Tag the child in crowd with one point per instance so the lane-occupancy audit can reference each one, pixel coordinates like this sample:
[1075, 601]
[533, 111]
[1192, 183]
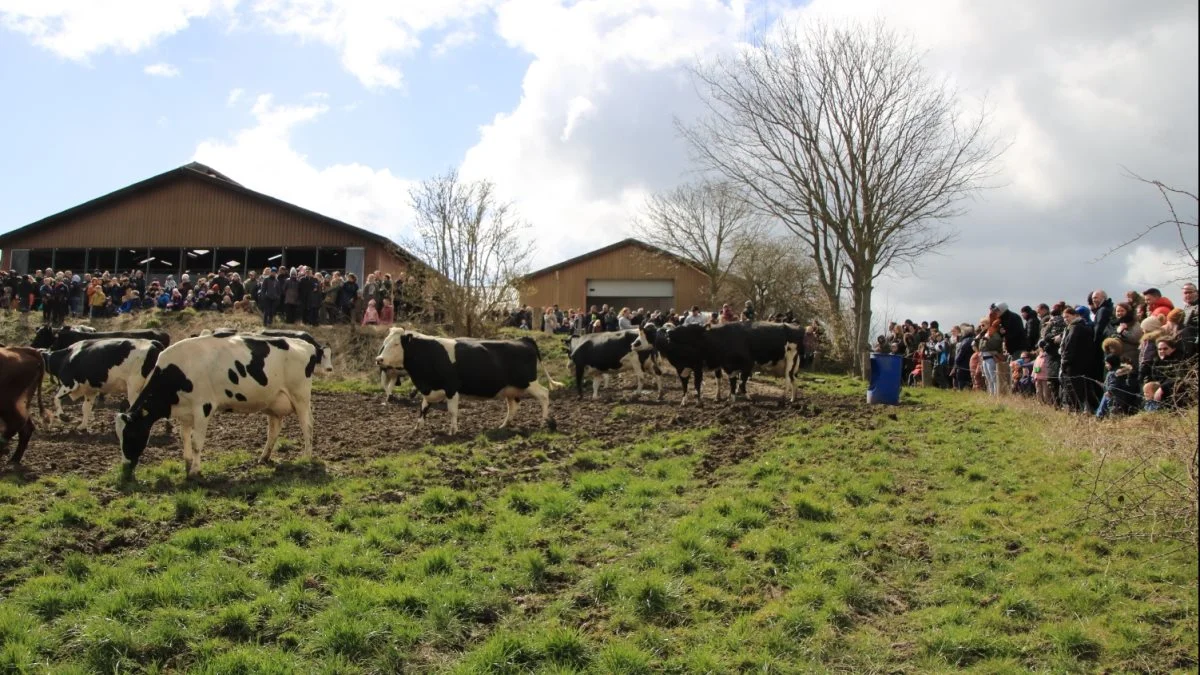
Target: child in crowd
[1023, 374]
[371, 316]
[1152, 395]
[1041, 377]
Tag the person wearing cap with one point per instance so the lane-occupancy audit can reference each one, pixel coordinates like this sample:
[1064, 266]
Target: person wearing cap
[1012, 327]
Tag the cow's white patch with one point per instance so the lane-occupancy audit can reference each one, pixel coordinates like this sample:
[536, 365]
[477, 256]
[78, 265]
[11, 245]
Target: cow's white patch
[448, 344]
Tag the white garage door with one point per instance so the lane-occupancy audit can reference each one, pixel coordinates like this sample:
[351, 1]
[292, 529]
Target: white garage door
[619, 288]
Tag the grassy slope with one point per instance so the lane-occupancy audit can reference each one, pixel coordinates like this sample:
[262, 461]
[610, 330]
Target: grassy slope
[939, 539]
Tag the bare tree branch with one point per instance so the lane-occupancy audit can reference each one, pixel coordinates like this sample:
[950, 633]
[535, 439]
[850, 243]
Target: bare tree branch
[1183, 228]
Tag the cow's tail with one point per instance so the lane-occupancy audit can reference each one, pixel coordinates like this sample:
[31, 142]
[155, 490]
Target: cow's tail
[551, 383]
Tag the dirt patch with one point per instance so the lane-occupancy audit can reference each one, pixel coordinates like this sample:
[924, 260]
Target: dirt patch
[352, 427]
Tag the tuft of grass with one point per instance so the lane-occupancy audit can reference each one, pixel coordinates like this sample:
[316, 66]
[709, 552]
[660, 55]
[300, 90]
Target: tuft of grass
[807, 509]
[188, 505]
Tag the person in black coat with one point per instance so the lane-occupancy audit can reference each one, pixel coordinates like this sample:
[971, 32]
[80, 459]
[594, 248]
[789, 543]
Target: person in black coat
[964, 350]
[1077, 354]
[1033, 326]
[1012, 328]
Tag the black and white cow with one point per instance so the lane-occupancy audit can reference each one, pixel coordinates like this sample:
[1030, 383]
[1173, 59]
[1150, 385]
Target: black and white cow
[739, 347]
[447, 369]
[200, 377]
[46, 338]
[90, 368]
[324, 353]
[607, 353]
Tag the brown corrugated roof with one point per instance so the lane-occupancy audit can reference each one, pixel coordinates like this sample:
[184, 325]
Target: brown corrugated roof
[612, 247]
[198, 171]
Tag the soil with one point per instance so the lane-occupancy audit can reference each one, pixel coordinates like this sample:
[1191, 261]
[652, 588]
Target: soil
[351, 427]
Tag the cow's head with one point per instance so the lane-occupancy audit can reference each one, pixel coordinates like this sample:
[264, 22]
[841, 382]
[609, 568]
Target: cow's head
[43, 338]
[133, 433]
[647, 332]
[391, 354]
[326, 359]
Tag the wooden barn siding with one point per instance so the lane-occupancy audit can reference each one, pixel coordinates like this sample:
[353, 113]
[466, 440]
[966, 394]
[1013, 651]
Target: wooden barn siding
[567, 287]
[188, 213]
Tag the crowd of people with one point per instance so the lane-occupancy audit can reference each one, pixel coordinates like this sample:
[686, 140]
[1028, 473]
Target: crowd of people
[287, 294]
[1101, 357]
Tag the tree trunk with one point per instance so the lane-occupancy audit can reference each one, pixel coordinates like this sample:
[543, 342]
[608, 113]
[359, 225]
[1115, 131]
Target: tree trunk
[861, 289]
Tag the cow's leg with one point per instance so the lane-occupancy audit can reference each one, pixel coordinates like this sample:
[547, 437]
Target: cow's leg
[608, 383]
[542, 395]
[274, 424]
[683, 380]
[579, 369]
[199, 434]
[698, 374]
[89, 401]
[387, 380]
[452, 406]
[596, 385]
[58, 397]
[185, 434]
[305, 417]
[637, 372]
[424, 410]
[742, 384]
[23, 436]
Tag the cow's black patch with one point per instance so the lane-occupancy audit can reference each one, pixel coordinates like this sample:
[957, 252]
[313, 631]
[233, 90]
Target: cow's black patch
[239, 396]
[228, 394]
[151, 358]
[259, 350]
[312, 363]
[233, 376]
[207, 409]
[241, 368]
[162, 391]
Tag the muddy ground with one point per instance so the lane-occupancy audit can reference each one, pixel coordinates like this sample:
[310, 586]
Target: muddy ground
[353, 426]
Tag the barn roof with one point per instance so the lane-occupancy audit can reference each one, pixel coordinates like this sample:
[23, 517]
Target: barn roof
[613, 247]
[209, 175]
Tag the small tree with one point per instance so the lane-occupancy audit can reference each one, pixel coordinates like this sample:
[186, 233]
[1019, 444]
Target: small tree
[774, 274]
[1182, 208]
[708, 224]
[472, 245]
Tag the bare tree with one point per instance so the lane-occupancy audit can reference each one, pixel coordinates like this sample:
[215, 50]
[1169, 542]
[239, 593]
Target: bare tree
[471, 242]
[707, 223]
[773, 274]
[841, 134]
[1186, 227]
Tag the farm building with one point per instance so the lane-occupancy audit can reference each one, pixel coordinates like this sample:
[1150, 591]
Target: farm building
[629, 273]
[194, 219]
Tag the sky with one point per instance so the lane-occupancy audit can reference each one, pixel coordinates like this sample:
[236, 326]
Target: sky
[569, 108]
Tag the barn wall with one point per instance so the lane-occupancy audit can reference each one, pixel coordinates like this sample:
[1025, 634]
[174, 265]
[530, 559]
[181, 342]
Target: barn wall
[567, 287]
[186, 213]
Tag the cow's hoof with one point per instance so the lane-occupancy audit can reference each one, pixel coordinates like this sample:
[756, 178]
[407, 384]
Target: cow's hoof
[551, 425]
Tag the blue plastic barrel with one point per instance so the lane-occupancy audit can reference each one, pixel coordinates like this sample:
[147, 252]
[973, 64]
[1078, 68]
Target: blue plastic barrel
[885, 379]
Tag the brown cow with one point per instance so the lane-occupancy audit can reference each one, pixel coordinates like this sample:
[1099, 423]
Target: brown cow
[21, 372]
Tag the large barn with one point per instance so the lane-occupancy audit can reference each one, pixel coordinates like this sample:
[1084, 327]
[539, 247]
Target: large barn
[629, 273]
[194, 219]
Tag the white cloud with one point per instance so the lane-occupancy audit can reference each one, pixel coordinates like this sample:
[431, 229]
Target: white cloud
[453, 40]
[76, 30]
[368, 35]
[592, 133]
[1151, 266]
[161, 70]
[235, 95]
[263, 158]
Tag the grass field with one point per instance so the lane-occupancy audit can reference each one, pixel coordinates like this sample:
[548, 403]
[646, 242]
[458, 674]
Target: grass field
[930, 537]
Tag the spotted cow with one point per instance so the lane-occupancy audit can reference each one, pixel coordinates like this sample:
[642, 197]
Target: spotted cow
[607, 353]
[200, 377]
[447, 369]
[107, 366]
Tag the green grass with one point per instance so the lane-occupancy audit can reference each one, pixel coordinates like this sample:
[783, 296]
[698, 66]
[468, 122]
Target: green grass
[944, 538]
